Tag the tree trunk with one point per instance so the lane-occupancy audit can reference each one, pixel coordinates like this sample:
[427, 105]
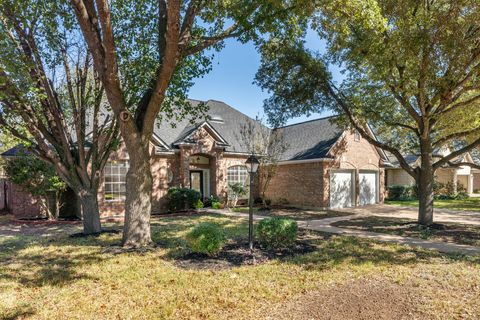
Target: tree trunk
[90, 212]
[138, 202]
[425, 180]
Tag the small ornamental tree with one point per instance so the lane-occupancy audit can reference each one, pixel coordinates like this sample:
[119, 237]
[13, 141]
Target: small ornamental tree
[39, 179]
[268, 145]
[236, 190]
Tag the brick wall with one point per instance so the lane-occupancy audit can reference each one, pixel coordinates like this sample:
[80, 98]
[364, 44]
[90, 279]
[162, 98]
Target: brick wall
[22, 204]
[178, 165]
[308, 184]
[301, 184]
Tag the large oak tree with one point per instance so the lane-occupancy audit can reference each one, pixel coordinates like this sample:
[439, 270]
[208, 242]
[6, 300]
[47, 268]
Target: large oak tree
[146, 53]
[51, 98]
[412, 72]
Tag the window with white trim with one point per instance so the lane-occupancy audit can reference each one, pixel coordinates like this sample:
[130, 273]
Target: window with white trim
[115, 174]
[238, 174]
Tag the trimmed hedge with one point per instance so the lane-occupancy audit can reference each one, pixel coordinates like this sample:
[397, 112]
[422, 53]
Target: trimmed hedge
[442, 191]
[182, 199]
[207, 238]
[277, 233]
[402, 192]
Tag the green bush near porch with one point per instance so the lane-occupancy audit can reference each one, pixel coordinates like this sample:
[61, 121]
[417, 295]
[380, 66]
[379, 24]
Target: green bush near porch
[182, 199]
[207, 238]
[277, 233]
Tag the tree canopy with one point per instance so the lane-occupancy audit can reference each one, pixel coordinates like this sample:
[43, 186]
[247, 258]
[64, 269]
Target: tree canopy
[412, 72]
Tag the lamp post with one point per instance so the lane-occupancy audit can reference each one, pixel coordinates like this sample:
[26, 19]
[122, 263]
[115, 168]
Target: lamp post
[252, 164]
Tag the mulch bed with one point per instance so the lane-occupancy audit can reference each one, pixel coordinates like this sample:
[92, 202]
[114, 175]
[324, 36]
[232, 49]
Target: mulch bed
[236, 253]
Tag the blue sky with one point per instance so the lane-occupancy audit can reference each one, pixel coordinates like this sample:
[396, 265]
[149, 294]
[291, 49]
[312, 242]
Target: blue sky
[232, 75]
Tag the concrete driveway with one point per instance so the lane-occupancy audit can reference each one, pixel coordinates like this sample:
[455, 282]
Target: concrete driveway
[394, 211]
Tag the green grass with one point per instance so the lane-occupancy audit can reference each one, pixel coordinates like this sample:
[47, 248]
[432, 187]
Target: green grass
[293, 213]
[91, 278]
[446, 232]
[470, 204]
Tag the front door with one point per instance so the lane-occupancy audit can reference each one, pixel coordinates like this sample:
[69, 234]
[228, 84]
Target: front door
[196, 181]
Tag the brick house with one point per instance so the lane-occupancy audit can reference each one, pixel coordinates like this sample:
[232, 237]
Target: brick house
[324, 166]
[465, 176]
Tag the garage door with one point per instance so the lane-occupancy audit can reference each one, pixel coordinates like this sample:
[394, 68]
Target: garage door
[368, 188]
[341, 194]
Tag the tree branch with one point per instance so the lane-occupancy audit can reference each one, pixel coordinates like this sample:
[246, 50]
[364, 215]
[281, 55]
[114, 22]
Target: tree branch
[455, 154]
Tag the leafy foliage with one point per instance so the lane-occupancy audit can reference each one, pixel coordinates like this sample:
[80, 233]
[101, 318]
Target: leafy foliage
[207, 238]
[236, 191]
[216, 205]
[38, 178]
[277, 233]
[412, 72]
[401, 192]
[182, 199]
[34, 175]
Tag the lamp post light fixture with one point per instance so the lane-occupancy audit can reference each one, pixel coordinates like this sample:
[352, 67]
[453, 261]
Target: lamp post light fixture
[252, 164]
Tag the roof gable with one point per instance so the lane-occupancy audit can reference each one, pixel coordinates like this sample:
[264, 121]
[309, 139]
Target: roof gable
[190, 135]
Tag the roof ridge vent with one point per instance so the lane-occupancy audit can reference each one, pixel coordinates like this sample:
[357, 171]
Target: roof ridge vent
[216, 119]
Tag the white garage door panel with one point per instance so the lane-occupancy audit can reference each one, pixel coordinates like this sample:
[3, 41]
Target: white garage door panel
[340, 189]
[368, 188]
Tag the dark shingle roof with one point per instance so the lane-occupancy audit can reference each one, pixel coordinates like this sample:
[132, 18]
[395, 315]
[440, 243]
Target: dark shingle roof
[229, 128]
[410, 158]
[307, 140]
[311, 139]
[18, 150]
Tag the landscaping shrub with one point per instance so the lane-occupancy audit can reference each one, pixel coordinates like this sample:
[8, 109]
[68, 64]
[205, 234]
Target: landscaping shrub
[462, 195]
[216, 205]
[207, 238]
[182, 199]
[276, 233]
[207, 202]
[199, 204]
[401, 192]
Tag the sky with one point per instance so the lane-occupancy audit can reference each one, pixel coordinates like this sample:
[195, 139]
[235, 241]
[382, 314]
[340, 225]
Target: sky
[232, 75]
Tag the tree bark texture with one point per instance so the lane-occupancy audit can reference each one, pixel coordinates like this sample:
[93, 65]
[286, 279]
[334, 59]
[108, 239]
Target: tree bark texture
[138, 202]
[90, 212]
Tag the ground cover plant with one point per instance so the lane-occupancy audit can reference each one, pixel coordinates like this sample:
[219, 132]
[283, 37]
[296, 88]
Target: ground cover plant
[57, 276]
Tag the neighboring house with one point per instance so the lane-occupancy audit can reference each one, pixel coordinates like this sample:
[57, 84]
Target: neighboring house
[324, 166]
[467, 177]
[13, 198]
[24, 205]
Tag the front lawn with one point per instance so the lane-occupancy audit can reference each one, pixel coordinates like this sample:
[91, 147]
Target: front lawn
[60, 277]
[470, 204]
[447, 232]
[294, 213]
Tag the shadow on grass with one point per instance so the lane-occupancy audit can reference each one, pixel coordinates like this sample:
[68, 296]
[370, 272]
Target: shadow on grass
[20, 312]
[56, 261]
